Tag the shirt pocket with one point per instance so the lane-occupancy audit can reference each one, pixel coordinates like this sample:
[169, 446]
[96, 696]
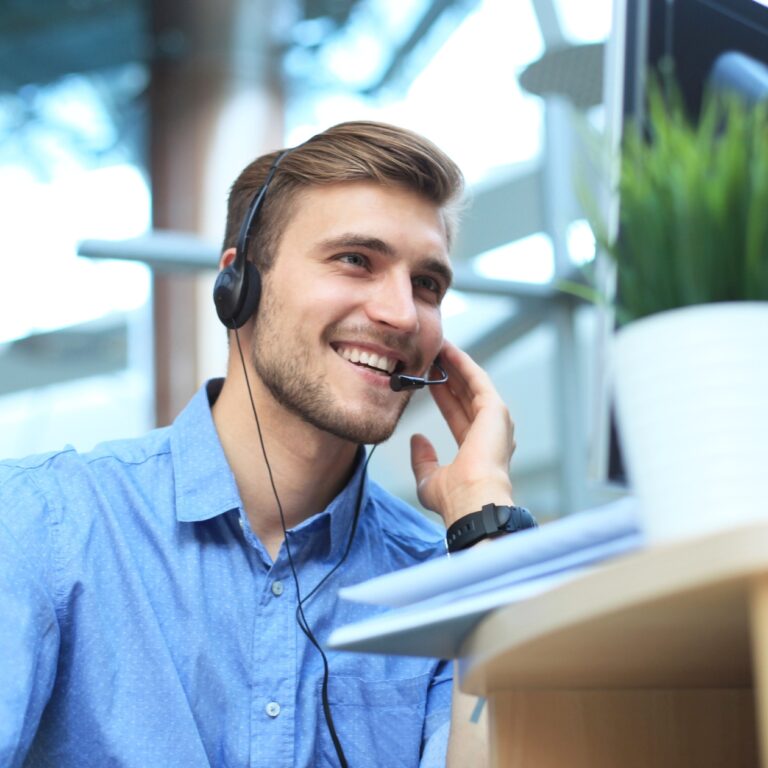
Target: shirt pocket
[379, 723]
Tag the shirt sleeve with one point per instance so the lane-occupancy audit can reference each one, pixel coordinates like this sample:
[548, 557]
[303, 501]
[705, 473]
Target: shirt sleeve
[437, 722]
[29, 634]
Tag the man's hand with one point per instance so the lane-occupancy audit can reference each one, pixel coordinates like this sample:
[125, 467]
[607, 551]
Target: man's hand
[479, 474]
[481, 424]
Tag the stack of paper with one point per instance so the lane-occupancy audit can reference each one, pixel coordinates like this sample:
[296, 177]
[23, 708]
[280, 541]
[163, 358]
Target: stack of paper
[436, 604]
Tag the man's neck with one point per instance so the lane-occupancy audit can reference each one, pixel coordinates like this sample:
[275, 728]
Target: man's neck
[309, 466]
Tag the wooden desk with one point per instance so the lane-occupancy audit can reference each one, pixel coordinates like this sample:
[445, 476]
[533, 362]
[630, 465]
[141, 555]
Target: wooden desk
[657, 660]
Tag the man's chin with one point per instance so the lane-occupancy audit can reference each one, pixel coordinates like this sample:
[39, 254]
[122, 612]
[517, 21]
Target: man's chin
[369, 426]
[366, 433]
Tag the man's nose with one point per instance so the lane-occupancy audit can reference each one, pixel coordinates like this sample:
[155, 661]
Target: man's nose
[392, 303]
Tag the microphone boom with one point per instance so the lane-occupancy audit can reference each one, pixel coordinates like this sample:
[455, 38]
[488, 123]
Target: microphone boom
[400, 381]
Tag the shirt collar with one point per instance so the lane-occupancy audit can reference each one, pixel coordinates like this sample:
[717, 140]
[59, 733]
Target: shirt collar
[205, 485]
[338, 517]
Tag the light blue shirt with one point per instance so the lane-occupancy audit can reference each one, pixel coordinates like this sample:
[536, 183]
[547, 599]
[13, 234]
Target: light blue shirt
[143, 624]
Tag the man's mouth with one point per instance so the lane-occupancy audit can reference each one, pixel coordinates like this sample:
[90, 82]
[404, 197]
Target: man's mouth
[367, 359]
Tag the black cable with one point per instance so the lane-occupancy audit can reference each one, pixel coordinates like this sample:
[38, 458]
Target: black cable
[301, 618]
[358, 505]
[304, 624]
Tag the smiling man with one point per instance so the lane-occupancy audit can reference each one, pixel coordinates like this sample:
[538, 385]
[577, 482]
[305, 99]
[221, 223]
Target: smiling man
[165, 601]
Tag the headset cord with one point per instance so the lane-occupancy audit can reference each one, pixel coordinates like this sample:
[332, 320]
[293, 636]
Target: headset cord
[300, 616]
[304, 624]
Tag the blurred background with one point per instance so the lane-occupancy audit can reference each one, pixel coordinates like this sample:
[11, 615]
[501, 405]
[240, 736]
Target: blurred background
[124, 122]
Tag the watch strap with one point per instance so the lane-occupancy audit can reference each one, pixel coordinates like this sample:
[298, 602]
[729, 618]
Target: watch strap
[491, 521]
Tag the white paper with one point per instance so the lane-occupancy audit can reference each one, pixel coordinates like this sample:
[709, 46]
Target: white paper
[438, 603]
[439, 631]
[565, 543]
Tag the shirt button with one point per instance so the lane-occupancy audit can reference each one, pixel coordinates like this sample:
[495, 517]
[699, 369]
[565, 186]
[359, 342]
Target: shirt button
[277, 588]
[273, 709]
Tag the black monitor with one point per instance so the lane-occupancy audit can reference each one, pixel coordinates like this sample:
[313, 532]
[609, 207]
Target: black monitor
[695, 36]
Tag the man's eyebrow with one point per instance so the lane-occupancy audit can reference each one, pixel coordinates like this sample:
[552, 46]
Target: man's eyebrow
[353, 240]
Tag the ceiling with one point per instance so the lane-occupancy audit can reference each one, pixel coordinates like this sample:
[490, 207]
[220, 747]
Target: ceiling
[46, 39]
[43, 40]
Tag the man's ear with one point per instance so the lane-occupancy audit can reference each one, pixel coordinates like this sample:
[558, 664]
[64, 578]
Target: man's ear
[227, 258]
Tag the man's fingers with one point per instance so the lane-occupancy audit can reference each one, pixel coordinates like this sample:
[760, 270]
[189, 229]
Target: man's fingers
[423, 457]
[466, 378]
[453, 411]
[424, 463]
[457, 382]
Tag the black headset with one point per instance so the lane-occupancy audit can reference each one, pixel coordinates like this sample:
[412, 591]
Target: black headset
[237, 290]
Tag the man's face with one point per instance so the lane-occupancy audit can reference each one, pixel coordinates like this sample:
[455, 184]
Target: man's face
[354, 293]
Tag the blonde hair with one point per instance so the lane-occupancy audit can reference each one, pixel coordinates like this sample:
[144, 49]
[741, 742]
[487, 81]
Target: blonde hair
[353, 151]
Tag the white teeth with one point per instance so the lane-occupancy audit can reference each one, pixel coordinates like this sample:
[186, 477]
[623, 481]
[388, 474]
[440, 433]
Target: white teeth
[371, 359]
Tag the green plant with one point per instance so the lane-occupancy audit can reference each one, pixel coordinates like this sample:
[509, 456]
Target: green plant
[693, 224]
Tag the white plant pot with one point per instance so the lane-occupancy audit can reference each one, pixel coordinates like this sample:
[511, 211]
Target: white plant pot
[691, 388]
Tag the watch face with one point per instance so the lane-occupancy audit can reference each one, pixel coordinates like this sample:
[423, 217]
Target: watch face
[520, 519]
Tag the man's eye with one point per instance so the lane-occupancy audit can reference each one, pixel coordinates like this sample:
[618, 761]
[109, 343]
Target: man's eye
[428, 283]
[355, 259]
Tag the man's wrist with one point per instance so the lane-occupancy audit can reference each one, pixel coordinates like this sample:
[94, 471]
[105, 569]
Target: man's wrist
[469, 498]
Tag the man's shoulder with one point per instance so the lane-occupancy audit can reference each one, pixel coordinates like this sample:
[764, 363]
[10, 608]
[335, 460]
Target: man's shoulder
[51, 501]
[28, 473]
[67, 468]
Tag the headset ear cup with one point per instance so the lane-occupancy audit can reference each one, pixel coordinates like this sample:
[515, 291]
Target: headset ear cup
[251, 296]
[237, 294]
[226, 294]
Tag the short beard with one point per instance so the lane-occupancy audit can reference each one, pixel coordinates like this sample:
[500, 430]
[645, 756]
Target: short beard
[290, 383]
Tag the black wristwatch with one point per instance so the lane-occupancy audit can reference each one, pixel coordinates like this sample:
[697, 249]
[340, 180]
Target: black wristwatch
[491, 521]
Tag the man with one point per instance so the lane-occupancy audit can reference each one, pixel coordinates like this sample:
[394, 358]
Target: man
[154, 611]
